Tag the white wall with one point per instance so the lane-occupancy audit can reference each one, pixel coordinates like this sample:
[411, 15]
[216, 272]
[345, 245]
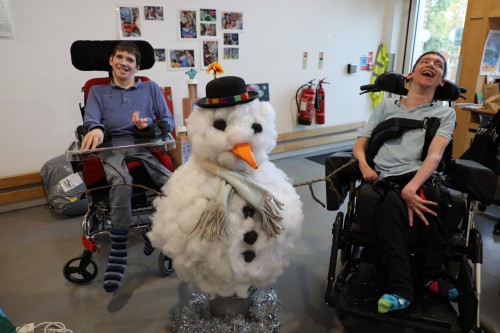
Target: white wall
[40, 89]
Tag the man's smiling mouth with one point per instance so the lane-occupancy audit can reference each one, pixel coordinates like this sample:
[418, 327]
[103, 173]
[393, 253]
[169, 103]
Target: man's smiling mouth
[428, 73]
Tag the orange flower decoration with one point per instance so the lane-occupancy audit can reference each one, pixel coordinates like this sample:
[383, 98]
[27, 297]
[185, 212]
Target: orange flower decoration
[216, 68]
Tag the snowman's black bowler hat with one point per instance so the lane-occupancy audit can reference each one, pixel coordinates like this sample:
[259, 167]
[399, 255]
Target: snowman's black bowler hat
[226, 91]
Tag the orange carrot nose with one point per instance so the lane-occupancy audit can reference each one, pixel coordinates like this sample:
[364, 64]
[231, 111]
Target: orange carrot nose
[244, 152]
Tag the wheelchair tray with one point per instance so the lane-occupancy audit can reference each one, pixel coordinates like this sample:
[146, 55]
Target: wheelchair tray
[73, 152]
[358, 294]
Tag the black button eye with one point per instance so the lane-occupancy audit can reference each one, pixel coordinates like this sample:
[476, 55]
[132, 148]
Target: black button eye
[220, 124]
[257, 128]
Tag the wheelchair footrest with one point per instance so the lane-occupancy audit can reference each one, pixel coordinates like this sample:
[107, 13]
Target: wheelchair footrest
[359, 294]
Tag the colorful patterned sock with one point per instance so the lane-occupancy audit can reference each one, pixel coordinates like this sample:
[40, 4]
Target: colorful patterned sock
[117, 261]
[443, 288]
[148, 247]
[392, 302]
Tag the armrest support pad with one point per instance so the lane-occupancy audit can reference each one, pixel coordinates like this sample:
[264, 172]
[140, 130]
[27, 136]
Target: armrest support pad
[478, 181]
[341, 180]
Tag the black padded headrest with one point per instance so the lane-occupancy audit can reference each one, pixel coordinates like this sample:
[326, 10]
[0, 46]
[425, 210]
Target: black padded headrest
[93, 55]
[395, 83]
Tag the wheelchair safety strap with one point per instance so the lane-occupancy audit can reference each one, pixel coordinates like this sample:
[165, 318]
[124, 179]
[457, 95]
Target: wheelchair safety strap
[394, 128]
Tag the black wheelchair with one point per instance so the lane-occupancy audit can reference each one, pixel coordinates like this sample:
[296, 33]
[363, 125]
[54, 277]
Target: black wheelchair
[353, 292]
[89, 55]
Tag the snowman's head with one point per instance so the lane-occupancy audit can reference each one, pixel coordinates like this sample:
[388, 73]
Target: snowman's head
[222, 135]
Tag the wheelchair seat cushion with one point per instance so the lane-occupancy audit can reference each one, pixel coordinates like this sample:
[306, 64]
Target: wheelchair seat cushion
[94, 175]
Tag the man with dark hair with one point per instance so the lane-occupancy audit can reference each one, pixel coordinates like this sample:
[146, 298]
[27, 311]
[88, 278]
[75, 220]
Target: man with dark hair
[402, 218]
[116, 108]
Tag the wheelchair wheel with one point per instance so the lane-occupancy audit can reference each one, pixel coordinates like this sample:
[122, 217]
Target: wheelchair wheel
[165, 265]
[336, 232]
[486, 327]
[346, 321]
[81, 270]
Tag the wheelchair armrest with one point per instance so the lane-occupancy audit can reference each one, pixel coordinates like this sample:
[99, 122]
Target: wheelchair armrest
[341, 180]
[478, 181]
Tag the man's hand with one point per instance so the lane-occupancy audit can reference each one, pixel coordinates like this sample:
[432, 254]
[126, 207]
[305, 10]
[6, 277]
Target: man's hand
[415, 204]
[140, 123]
[92, 139]
[369, 174]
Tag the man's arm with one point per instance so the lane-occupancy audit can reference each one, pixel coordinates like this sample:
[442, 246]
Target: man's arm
[92, 121]
[359, 152]
[414, 203]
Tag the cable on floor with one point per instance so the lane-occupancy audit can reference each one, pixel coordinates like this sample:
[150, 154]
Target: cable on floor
[48, 327]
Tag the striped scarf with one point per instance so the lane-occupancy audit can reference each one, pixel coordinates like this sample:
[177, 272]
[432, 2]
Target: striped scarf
[212, 222]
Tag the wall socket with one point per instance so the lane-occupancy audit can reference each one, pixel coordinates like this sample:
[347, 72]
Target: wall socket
[352, 68]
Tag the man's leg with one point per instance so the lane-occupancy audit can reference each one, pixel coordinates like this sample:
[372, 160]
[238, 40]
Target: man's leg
[121, 218]
[160, 175]
[385, 215]
[435, 246]
[392, 221]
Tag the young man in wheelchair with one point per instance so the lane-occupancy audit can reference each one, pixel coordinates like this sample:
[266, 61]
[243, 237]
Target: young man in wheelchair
[124, 109]
[397, 202]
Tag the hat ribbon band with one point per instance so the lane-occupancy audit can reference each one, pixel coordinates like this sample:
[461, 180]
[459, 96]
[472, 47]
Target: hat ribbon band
[229, 99]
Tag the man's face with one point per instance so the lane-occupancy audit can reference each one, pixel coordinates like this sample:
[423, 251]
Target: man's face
[429, 70]
[124, 65]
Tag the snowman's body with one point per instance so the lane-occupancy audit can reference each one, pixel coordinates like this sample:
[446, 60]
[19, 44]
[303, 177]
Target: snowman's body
[244, 255]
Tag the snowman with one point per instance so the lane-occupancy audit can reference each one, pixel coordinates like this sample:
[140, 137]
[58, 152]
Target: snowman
[229, 216]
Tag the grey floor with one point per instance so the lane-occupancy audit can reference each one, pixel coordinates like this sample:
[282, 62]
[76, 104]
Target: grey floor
[35, 245]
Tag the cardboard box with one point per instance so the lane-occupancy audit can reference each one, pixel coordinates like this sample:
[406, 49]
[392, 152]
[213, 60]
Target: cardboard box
[187, 107]
[182, 149]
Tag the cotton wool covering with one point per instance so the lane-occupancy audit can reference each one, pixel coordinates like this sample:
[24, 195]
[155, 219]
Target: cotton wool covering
[229, 265]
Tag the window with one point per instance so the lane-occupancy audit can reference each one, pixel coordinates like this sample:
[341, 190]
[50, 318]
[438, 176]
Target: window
[439, 26]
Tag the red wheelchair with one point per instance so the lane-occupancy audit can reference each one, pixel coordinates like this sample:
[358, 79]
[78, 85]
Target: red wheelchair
[93, 56]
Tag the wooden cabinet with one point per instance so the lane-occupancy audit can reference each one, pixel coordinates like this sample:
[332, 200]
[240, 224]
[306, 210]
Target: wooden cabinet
[481, 17]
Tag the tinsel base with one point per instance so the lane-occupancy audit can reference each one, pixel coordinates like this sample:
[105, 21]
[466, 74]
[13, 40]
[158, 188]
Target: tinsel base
[262, 316]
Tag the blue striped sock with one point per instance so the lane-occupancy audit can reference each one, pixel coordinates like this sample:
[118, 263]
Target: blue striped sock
[148, 247]
[117, 261]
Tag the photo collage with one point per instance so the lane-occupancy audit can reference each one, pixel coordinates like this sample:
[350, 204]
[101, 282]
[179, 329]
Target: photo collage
[216, 33]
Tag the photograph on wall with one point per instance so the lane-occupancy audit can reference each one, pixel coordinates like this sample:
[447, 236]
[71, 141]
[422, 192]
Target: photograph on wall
[180, 59]
[208, 29]
[6, 27]
[187, 24]
[160, 55]
[231, 53]
[208, 15]
[231, 38]
[491, 53]
[262, 89]
[153, 13]
[231, 21]
[130, 22]
[210, 52]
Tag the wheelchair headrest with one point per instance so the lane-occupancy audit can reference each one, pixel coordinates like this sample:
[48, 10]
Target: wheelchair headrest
[396, 83]
[93, 55]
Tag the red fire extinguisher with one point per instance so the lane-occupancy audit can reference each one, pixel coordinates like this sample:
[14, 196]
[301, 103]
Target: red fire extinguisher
[306, 106]
[319, 103]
